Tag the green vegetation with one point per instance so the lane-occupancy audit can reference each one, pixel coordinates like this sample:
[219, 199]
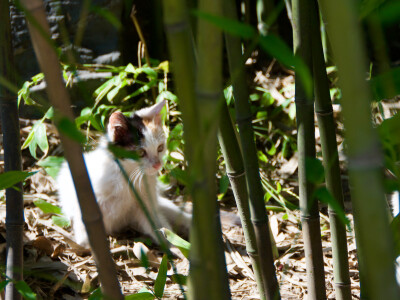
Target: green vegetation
[274, 129]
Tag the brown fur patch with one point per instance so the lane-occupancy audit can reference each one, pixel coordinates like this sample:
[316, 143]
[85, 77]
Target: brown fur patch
[152, 124]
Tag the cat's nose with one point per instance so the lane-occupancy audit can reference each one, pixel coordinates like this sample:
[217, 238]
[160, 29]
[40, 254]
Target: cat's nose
[157, 165]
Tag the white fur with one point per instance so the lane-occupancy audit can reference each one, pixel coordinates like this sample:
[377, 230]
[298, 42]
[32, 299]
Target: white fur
[119, 207]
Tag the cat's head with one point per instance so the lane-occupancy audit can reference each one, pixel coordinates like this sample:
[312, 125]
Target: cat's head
[143, 132]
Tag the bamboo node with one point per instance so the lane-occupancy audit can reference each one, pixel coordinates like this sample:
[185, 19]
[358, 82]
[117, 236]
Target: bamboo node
[323, 113]
[342, 285]
[370, 158]
[235, 175]
[209, 95]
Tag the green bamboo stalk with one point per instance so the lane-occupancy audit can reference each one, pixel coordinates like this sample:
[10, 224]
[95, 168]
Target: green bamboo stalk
[180, 45]
[376, 255]
[206, 229]
[306, 147]
[12, 157]
[199, 106]
[323, 109]
[235, 170]
[243, 118]
[58, 96]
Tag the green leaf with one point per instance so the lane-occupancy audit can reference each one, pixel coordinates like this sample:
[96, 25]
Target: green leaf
[149, 72]
[144, 260]
[69, 129]
[389, 13]
[46, 207]
[223, 184]
[130, 68]
[168, 96]
[178, 242]
[267, 99]
[379, 84]
[272, 150]
[140, 296]
[120, 152]
[106, 14]
[142, 89]
[278, 49]
[52, 165]
[24, 289]
[261, 156]
[96, 295]
[164, 178]
[179, 279]
[41, 138]
[10, 178]
[231, 26]
[159, 284]
[325, 196]
[61, 221]
[314, 170]
[3, 284]
[180, 175]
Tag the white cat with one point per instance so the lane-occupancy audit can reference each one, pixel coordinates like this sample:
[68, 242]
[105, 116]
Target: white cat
[143, 133]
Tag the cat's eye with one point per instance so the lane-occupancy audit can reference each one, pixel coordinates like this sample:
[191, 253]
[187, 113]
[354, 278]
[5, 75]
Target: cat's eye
[160, 148]
[141, 152]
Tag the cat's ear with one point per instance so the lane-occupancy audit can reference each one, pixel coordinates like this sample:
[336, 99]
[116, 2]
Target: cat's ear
[152, 112]
[117, 127]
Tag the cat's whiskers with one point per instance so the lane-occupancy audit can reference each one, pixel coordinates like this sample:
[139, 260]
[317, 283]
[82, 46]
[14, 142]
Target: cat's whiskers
[134, 175]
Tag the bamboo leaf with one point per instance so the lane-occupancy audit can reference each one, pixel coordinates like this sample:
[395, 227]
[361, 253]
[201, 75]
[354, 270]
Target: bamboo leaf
[96, 295]
[325, 196]
[181, 175]
[178, 242]
[108, 15]
[3, 284]
[8, 179]
[41, 138]
[179, 279]
[52, 165]
[378, 84]
[24, 289]
[161, 279]
[140, 296]
[120, 152]
[69, 129]
[223, 184]
[61, 221]
[231, 26]
[315, 170]
[46, 207]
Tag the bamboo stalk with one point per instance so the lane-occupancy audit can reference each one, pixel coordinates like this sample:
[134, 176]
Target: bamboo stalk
[376, 255]
[12, 158]
[59, 98]
[207, 280]
[306, 148]
[243, 118]
[365, 158]
[180, 44]
[323, 108]
[235, 170]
